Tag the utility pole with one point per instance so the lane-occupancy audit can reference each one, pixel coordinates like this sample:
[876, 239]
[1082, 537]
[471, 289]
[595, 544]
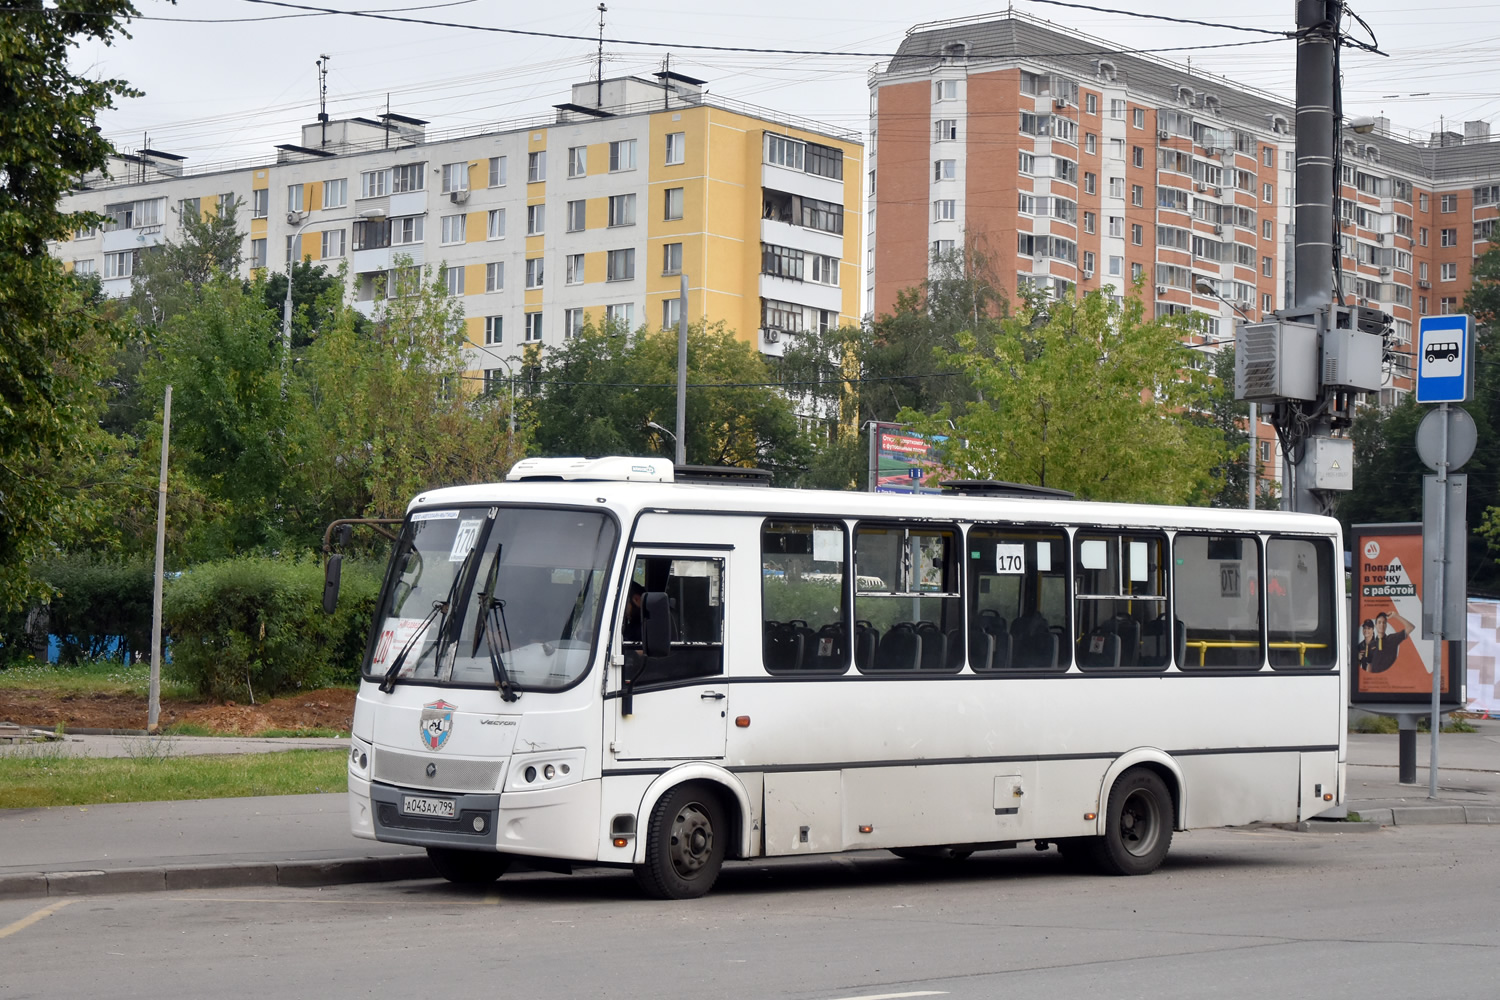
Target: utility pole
[153, 700]
[682, 332]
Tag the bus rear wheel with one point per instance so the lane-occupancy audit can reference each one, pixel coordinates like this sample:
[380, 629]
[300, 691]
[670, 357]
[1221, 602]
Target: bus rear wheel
[468, 867]
[1137, 825]
[685, 844]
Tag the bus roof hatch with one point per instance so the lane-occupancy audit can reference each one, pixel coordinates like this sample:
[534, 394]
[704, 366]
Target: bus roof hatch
[615, 468]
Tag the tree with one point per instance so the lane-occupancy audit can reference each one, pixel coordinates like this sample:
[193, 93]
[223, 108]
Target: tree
[1086, 395]
[598, 392]
[49, 325]
[173, 273]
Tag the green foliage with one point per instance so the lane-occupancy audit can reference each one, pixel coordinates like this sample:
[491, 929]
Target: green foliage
[1083, 395]
[255, 627]
[99, 602]
[601, 389]
[314, 289]
[170, 275]
[50, 321]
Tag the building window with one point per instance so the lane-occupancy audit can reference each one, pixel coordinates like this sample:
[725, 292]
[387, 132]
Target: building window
[784, 262]
[578, 161]
[535, 269]
[1090, 220]
[84, 267]
[494, 276]
[536, 220]
[822, 215]
[1447, 305]
[1028, 163]
[333, 244]
[1091, 104]
[676, 148]
[454, 278]
[1267, 192]
[374, 183]
[1090, 183]
[671, 313]
[1268, 266]
[673, 204]
[455, 177]
[784, 152]
[294, 198]
[947, 90]
[260, 203]
[409, 177]
[536, 166]
[122, 264]
[533, 327]
[574, 262]
[1116, 226]
[947, 129]
[1117, 187]
[1449, 272]
[671, 258]
[496, 229]
[1268, 156]
[1422, 236]
[944, 170]
[1088, 263]
[454, 228]
[1137, 156]
[1117, 109]
[1449, 238]
[825, 269]
[825, 161]
[1137, 234]
[336, 192]
[1267, 229]
[620, 317]
[945, 209]
[1138, 117]
[572, 323]
[407, 229]
[622, 210]
[619, 265]
[1116, 265]
[257, 255]
[1090, 143]
[622, 155]
[1137, 195]
[497, 171]
[941, 248]
[190, 208]
[1448, 203]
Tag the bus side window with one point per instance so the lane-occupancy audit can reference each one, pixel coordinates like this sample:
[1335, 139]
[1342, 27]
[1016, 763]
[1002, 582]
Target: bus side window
[1018, 598]
[804, 619]
[1121, 600]
[1299, 602]
[906, 598]
[1216, 600]
[695, 593]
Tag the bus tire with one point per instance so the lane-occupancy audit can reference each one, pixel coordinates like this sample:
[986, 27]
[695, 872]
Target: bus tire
[468, 867]
[1137, 825]
[685, 843]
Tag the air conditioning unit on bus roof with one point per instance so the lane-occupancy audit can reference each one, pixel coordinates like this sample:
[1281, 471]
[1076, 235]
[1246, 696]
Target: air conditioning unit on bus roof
[616, 468]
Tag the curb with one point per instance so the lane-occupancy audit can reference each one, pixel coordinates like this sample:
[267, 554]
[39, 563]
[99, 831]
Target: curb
[1429, 815]
[303, 874]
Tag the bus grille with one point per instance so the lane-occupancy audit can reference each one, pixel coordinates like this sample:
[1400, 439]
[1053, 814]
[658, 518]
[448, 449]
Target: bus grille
[410, 771]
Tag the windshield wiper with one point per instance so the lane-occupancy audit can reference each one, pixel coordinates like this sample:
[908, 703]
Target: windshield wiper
[489, 609]
[388, 682]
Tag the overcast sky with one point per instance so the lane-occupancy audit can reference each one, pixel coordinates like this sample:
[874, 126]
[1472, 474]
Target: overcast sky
[232, 88]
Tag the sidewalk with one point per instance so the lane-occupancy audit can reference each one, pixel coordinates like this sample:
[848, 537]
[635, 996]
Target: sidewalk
[304, 839]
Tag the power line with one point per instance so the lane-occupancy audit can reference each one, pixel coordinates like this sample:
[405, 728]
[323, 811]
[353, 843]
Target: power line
[1164, 17]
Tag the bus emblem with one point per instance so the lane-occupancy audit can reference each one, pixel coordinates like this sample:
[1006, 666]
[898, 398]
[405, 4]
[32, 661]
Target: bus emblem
[437, 724]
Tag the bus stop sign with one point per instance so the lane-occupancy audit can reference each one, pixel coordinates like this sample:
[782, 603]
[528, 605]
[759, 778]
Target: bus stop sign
[1445, 363]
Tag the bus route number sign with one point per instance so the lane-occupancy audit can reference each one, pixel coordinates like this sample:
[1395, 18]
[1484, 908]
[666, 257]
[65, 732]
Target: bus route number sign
[1010, 559]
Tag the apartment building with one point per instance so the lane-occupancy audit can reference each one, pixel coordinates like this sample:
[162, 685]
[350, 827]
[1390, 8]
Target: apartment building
[1070, 168]
[591, 212]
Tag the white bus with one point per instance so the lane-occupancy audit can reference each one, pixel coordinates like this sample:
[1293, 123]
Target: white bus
[597, 662]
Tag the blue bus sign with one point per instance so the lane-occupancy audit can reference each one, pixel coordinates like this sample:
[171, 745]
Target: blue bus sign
[1445, 363]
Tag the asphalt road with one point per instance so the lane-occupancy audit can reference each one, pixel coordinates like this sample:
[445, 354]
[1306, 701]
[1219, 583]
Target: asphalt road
[1245, 913]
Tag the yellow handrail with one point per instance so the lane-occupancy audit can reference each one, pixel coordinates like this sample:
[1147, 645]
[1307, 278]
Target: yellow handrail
[1204, 645]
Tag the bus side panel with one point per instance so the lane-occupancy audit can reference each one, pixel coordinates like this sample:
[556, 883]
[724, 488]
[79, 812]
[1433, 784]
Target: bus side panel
[1074, 788]
[1320, 777]
[804, 812]
[929, 805]
[1236, 789]
[620, 795]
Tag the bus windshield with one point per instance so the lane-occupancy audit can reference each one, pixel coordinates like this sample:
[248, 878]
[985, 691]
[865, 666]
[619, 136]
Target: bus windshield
[480, 593]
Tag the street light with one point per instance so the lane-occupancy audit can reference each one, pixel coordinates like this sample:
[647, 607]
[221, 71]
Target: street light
[369, 214]
[1205, 288]
[662, 430]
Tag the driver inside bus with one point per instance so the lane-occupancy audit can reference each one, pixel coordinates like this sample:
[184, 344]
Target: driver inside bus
[630, 630]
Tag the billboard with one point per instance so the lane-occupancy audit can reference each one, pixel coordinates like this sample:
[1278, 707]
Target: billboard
[900, 459]
[1393, 654]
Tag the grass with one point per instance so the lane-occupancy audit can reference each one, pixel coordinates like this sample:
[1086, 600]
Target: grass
[1387, 724]
[42, 776]
[94, 677]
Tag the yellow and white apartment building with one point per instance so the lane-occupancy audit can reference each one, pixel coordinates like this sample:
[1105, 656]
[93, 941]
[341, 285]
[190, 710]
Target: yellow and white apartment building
[592, 213]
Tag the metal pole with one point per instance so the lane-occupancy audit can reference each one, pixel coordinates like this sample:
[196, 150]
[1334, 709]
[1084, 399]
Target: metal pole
[1254, 456]
[682, 330]
[1438, 618]
[286, 310]
[153, 701]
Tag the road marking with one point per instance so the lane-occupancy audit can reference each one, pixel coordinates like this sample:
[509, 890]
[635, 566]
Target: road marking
[42, 914]
[898, 996]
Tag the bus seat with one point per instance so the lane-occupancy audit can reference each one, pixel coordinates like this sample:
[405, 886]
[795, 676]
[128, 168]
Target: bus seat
[830, 648]
[1179, 641]
[934, 645]
[899, 649]
[695, 615]
[981, 648]
[1033, 643]
[1129, 631]
[991, 621]
[866, 638]
[783, 646]
[955, 648]
[1001, 659]
[1100, 648]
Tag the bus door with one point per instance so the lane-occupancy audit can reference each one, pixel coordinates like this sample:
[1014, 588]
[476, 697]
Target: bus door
[678, 704]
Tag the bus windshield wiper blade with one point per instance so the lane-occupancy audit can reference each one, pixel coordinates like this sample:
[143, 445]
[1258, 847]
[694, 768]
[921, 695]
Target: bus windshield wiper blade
[496, 609]
[388, 682]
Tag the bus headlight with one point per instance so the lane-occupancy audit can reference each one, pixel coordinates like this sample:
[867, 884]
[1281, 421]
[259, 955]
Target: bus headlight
[359, 758]
[549, 769]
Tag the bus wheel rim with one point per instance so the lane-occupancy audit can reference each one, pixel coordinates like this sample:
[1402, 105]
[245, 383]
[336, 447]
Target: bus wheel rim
[1140, 823]
[692, 840]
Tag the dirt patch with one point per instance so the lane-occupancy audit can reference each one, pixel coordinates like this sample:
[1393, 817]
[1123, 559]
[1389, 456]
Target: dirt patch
[331, 708]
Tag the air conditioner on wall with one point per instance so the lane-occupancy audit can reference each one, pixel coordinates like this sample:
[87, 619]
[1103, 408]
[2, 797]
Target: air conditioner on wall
[458, 197]
[773, 335]
[1200, 188]
[1163, 134]
[1161, 289]
[1060, 103]
[1424, 284]
[1385, 270]
[1218, 230]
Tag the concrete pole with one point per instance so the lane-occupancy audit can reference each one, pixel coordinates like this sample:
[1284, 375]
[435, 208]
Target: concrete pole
[682, 331]
[286, 309]
[153, 701]
[1254, 456]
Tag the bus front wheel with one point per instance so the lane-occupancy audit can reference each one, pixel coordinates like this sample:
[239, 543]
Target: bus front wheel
[685, 844]
[1137, 826]
[468, 867]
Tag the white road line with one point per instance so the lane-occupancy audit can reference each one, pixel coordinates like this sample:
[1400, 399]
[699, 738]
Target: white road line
[42, 914]
[898, 996]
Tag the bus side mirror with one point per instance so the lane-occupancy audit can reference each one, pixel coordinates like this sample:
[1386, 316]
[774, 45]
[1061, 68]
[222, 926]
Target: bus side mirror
[342, 535]
[331, 583]
[656, 624]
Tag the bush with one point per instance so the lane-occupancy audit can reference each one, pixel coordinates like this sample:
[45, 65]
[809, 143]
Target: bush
[254, 626]
[102, 607]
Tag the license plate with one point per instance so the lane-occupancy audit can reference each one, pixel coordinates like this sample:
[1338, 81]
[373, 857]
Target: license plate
[421, 805]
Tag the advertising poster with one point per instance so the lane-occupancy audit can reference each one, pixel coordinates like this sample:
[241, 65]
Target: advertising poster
[1482, 695]
[1393, 656]
[900, 459]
